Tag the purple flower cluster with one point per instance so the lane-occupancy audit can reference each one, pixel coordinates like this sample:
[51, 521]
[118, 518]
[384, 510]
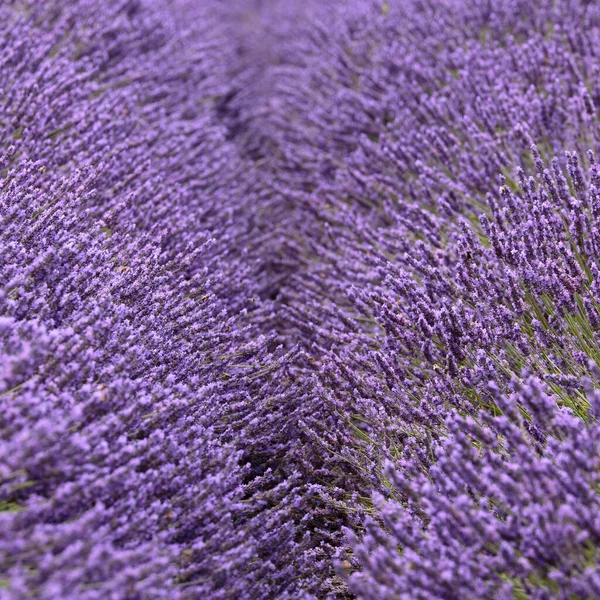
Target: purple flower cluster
[120, 364]
[508, 510]
[299, 301]
[439, 162]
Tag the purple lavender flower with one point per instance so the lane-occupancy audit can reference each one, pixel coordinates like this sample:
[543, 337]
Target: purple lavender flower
[299, 301]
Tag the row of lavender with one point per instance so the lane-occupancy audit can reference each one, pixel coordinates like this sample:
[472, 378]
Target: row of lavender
[299, 301]
[440, 158]
[124, 218]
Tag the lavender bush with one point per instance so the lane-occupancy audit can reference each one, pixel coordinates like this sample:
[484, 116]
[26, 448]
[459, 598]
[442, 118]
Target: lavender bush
[299, 301]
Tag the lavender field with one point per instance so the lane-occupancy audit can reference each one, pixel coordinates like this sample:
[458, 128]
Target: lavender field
[299, 299]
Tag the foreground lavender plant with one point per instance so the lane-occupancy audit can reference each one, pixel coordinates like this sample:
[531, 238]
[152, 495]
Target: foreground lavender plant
[508, 510]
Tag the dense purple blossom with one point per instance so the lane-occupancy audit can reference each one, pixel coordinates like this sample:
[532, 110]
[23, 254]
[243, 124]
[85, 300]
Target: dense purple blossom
[119, 363]
[510, 508]
[428, 262]
[299, 300]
